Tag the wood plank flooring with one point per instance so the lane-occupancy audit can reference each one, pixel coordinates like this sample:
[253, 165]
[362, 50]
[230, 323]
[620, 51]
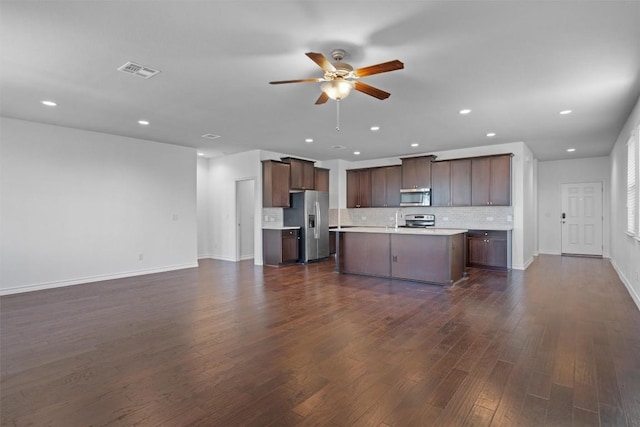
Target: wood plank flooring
[231, 344]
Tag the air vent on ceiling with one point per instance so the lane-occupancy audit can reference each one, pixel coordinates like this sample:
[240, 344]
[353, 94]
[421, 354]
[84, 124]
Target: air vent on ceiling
[138, 70]
[210, 136]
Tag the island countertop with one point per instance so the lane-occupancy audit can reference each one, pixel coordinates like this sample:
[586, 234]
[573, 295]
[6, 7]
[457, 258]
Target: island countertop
[402, 230]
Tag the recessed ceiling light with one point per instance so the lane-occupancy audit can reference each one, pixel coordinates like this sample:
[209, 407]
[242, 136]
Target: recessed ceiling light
[210, 136]
[490, 134]
[465, 111]
[357, 153]
[571, 150]
[563, 112]
[308, 140]
[200, 154]
[143, 122]
[415, 144]
[375, 128]
[49, 103]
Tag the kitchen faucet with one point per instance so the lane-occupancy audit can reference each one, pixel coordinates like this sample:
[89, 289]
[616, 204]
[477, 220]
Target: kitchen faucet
[398, 215]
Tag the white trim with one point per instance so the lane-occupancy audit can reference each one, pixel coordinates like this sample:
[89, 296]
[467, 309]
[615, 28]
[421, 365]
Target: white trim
[634, 296]
[523, 266]
[246, 257]
[222, 258]
[549, 252]
[90, 279]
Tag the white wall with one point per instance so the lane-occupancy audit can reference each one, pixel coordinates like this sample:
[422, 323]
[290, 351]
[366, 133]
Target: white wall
[222, 176]
[625, 250]
[202, 174]
[81, 206]
[551, 175]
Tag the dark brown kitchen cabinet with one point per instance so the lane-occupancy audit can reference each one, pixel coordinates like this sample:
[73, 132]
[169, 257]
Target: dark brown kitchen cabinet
[321, 179]
[491, 180]
[302, 173]
[385, 186]
[488, 249]
[416, 172]
[275, 184]
[451, 183]
[365, 253]
[432, 259]
[359, 188]
[280, 246]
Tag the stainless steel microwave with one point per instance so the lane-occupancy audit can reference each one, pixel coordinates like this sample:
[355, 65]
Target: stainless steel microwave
[415, 197]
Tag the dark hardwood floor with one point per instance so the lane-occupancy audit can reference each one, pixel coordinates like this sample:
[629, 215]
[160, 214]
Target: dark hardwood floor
[230, 344]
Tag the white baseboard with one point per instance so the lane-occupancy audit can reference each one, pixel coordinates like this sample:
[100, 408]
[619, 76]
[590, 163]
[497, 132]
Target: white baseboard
[83, 280]
[246, 257]
[554, 252]
[627, 283]
[218, 257]
[524, 266]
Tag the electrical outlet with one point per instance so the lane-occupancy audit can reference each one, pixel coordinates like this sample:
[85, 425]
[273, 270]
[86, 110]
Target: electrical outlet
[509, 218]
[174, 217]
[489, 218]
[445, 218]
[363, 218]
[266, 218]
[140, 256]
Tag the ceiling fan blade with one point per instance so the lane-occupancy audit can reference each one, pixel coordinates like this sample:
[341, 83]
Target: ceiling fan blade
[322, 61]
[297, 81]
[322, 98]
[370, 90]
[379, 68]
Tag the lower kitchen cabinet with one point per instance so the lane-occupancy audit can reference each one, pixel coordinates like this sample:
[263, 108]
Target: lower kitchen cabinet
[365, 253]
[490, 249]
[280, 246]
[437, 259]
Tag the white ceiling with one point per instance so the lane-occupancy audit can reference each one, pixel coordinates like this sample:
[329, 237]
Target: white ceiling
[516, 64]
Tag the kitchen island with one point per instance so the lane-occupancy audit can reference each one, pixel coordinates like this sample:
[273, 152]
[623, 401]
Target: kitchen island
[430, 255]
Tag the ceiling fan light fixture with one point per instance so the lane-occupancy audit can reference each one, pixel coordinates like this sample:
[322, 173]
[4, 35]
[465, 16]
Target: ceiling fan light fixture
[337, 89]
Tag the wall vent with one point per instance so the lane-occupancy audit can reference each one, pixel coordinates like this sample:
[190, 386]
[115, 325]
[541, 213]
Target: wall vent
[138, 70]
[210, 136]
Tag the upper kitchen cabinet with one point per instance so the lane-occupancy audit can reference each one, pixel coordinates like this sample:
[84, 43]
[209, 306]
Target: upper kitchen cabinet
[491, 180]
[359, 188]
[302, 173]
[321, 179]
[451, 183]
[416, 172]
[385, 186]
[275, 184]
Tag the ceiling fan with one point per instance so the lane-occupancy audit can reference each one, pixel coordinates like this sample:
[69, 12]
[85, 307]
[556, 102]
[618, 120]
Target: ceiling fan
[340, 78]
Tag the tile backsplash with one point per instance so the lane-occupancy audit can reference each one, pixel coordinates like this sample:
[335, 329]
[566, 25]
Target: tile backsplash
[455, 217]
[272, 217]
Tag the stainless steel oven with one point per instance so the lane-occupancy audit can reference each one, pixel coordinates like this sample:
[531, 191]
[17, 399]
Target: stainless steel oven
[415, 197]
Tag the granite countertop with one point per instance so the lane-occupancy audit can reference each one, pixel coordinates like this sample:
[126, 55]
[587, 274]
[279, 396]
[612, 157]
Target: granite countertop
[280, 227]
[402, 230]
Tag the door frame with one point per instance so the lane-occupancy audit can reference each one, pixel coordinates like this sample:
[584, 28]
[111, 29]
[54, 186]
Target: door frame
[238, 218]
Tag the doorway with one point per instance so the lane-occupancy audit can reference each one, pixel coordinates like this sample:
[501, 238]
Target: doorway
[245, 217]
[581, 219]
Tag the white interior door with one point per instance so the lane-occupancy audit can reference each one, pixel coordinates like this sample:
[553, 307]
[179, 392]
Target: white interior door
[245, 203]
[582, 218]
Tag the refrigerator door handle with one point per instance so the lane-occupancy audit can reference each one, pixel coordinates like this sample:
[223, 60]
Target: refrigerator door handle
[316, 231]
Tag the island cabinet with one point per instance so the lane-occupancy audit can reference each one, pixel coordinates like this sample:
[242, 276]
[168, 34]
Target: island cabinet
[451, 183]
[385, 186]
[416, 172]
[489, 249]
[275, 184]
[321, 179]
[280, 246]
[424, 257]
[491, 180]
[302, 173]
[365, 253]
[432, 259]
[359, 188]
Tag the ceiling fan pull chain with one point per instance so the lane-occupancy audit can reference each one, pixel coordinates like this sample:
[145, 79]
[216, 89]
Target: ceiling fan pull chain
[338, 115]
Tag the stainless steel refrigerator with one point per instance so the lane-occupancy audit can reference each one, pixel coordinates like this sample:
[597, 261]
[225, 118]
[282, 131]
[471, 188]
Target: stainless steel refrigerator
[310, 211]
